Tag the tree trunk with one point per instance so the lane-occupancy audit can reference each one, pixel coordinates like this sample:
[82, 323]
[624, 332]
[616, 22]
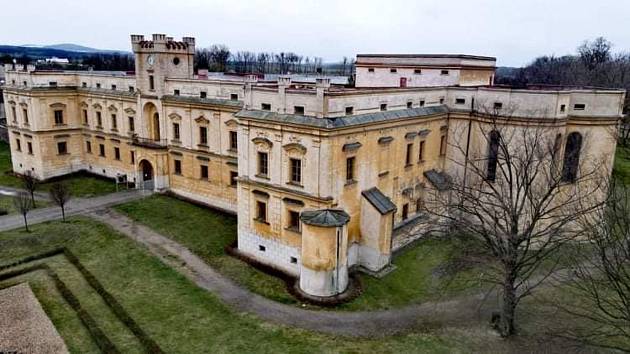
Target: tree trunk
[508, 309]
[25, 223]
[63, 213]
[33, 199]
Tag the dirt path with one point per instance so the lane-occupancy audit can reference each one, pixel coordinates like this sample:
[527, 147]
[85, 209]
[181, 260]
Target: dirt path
[373, 323]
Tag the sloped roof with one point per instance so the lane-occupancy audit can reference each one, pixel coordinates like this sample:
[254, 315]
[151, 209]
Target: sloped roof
[325, 217]
[440, 180]
[379, 200]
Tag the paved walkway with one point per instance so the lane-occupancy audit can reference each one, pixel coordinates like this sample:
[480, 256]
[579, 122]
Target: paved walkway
[75, 206]
[373, 323]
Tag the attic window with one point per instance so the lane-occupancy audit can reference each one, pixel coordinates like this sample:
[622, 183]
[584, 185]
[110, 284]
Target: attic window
[265, 106]
[349, 110]
[114, 87]
[563, 107]
[409, 104]
[98, 85]
[393, 70]
[370, 70]
[417, 71]
[383, 106]
[176, 92]
[421, 103]
[84, 84]
[203, 94]
[460, 101]
[233, 97]
[579, 107]
[298, 109]
[52, 84]
[444, 72]
[498, 105]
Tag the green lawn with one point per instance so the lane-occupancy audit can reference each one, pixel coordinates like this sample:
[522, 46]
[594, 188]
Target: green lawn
[622, 164]
[6, 203]
[206, 233]
[81, 186]
[178, 315]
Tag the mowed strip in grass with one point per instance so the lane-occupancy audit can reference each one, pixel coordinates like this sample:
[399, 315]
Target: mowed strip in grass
[80, 186]
[178, 315]
[418, 277]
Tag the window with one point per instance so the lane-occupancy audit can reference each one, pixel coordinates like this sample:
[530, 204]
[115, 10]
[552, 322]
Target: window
[417, 71]
[498, 105]
[101, 150]
[460, 101]
[99, 120]
[203, 135]
[151, 83]
[117, 153]
[419, 205]
[132, 124]
[443, 145]
[25, 115]
[114, 122]
[441, 100]
[579, 107]
[296, 171]
[203, 94]
[393, 70]
[421, 151]
[293, 260]
[58, 117]
[176, 92]
[370, 70]
[571, 157]
[409, 104]
[88, 147]
[349, 110]
[176, 131]
[132, 89]
[261, 211]
[383, 106]
[52, 84]
[62, 148]
[132, 157]
[178, 166]
[444, 72]
[408, 155]
[233, 141]
[350, 168]
[563, 107]
[84, 84]
[233, 177]
[493, 155]
[263, 161]
[262, 248]
[14, 115]
[85, 117]
[114, 87]
[233, 97]
[421, 103]
[98, 85]
[405, 211]
[204, 171]
[265, 106]
[29, 147]
[298, 110]
[294, 221]
[18, 145]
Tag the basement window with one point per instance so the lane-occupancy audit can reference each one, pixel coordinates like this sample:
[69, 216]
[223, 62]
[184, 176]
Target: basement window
[293, 260]
[262, 248]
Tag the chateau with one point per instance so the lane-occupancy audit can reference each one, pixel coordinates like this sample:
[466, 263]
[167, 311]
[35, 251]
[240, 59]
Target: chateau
[318, 174]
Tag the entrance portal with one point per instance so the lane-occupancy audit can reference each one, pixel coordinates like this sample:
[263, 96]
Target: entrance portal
[146, 171]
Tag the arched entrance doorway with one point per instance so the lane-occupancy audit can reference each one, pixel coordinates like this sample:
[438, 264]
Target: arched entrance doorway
[146, 175]
[152, 118]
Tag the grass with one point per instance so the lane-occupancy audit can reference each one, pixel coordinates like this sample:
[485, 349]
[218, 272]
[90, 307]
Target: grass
[178, 315]
[80, 186]
[6, 203]
[206, 233]
[621, 168]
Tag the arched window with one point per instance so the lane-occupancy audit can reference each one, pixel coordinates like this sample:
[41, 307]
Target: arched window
[571, 157]
[493, 155]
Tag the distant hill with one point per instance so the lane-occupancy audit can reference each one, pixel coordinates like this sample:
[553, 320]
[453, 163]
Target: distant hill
[64, 50]
[71, 47]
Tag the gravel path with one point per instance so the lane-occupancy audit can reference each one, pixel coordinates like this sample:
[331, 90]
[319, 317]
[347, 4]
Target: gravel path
[366, 323]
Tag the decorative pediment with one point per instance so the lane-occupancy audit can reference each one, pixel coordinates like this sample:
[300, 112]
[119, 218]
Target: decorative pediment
[11, 103]
[262, 142]
[295, 147]
[350, 147]
[202, 120]
[175, 116]
[23, 104]
[130, 111]
[58, 105]
[231, 123]
[423, 133]
[112, 108]
[83, 105]
[97, 106]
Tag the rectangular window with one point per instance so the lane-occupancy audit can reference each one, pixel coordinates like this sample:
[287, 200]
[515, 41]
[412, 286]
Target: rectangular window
[99, 120]
[233, 141]
[29, 146]
[443, 145]
[132, 89]
[14, 115]
[114, 122]
[460, 101]
[294, 221]
[203, 135]
[85, 117]
[117, 153]
[233, 177]
[421, 151]
[263, 160]
[265, 106]
[579, 107]
[132, 157]
[421, 103]
[298, 109]
[441, 100]
[132, 125]
[349, 110]
[383, 106]
[350, 168]
[25, 114]
[101, 150]
[62, 148]
[114, 87]
[98, 85]
[262, 248]
[176, 131]
[293, 260]
[444, 72]
[370, 70]
[296, 171]
[393, 70]
[417, 71]
[204, 171]
[58, 117]
[151, 83]
[409, 104]
[176, 92]
[88, 147]
[203, 94]
[233, 97]
[261, 211]
[408, 154]
[18, 145]
[563, 107]
[498, 105]
[52, 84]
[84, 84]
[405, 211]
[178, 166]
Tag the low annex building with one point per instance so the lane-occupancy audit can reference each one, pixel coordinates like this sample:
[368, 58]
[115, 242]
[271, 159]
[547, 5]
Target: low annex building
[318, 174]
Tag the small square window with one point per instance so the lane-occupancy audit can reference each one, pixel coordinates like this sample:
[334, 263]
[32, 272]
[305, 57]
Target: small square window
[262, 248]
[298, 110]
[409, 104]
[176, 92]
[442, 100]
[203, 94]
[233, 97]
[417, 71]
[84, 84]
[114, 87]
[98, 85]
[265, 107]
[132, 89]
[349, 110]
[370, 70]
[421, 103]
[460, 101]
[293, 260]
[393, 70]
[62, 148]
[498, 105]
[52, 84]
[383, 106]
[444, 72]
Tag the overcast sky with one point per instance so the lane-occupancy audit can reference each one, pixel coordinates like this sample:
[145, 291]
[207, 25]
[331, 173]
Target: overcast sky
[513, 31]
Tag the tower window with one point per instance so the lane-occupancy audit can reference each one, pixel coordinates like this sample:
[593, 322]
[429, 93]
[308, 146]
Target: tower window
[350, 168]
[151, 83]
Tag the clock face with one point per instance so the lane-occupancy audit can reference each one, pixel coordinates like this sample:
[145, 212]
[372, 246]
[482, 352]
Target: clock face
[151, 60]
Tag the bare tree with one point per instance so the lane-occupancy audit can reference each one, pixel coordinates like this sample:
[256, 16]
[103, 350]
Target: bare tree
[518, 197]
[29, 182]
[60, 194]
[22, 203]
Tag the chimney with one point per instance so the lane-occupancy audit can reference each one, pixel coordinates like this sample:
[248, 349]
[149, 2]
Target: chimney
[283, 83]
[250, 81]
[322, 84]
